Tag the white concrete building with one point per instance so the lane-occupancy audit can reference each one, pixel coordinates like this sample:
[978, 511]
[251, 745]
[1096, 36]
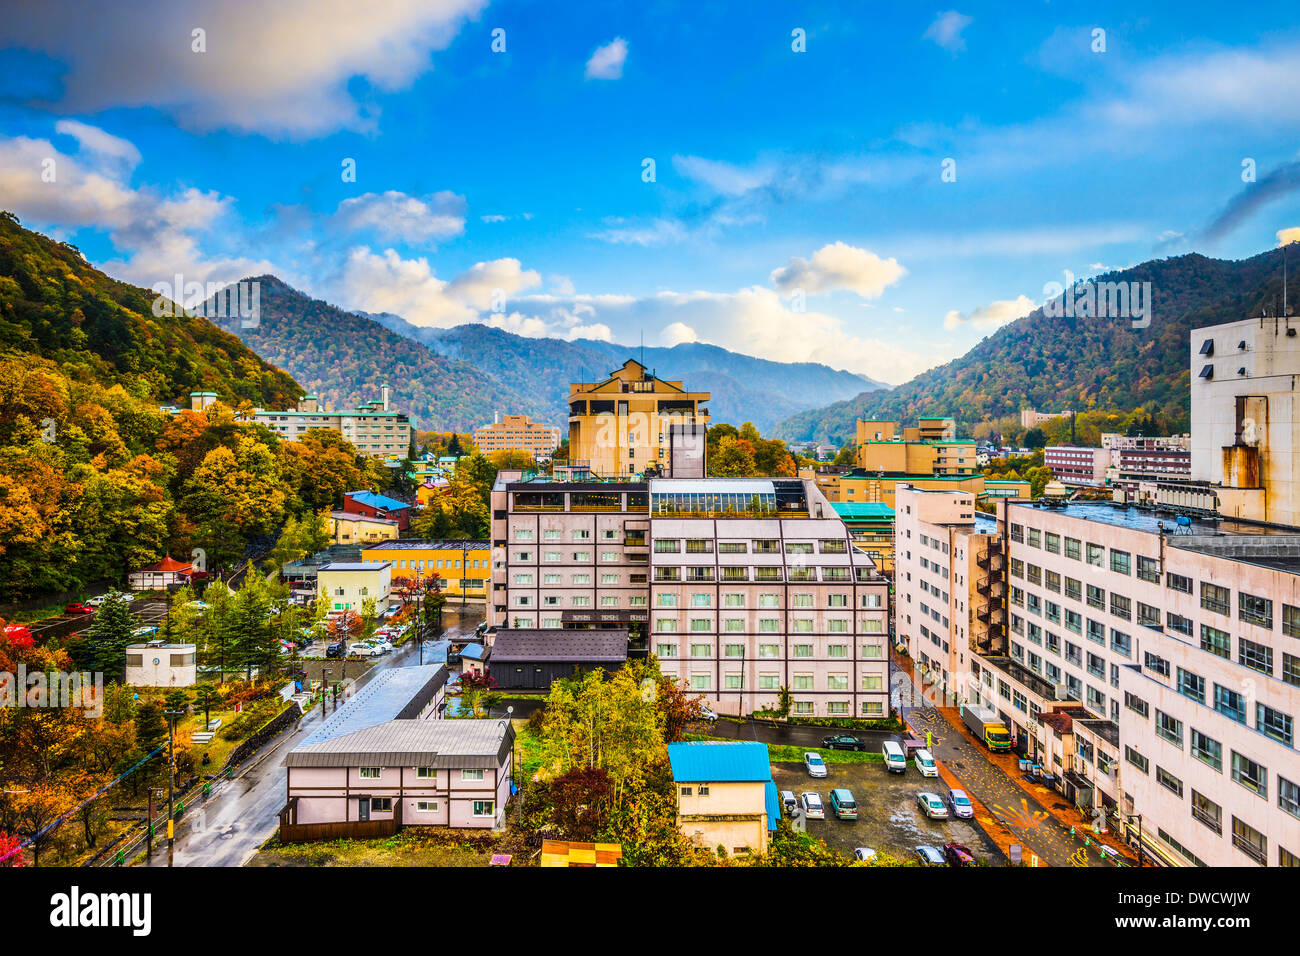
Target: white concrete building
[157, 664]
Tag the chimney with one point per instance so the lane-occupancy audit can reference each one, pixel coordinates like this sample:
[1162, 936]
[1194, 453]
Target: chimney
[383, 391]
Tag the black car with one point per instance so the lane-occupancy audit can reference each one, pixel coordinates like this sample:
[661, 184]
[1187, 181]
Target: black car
[334, 650]
[843, 742]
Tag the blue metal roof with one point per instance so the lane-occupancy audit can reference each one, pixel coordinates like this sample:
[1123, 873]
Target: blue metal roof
[773, 802]
[862, 509]
[473, 652]
[710, 761]
[377, 501]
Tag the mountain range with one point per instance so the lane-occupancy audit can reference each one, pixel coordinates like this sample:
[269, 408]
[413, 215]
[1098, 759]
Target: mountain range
[1051, 363]
[461, 377]
[56, 306]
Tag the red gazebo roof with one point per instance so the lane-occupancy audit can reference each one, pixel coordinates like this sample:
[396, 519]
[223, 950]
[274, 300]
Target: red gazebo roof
[168, 563]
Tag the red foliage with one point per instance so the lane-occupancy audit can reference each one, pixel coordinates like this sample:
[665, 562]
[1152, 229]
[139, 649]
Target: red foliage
[9, 844]
[18, 637]
[473, 680]
[579, 798]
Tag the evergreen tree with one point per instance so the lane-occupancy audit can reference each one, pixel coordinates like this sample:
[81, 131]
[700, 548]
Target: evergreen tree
[109, 634]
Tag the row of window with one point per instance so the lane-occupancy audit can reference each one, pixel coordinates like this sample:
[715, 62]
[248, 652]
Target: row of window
[760, 546]
[766, 625]
[669, 650]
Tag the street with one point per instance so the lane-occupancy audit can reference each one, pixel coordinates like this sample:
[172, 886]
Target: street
[242, 813]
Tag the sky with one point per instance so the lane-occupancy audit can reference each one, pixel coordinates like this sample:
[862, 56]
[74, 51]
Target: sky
[874, 186]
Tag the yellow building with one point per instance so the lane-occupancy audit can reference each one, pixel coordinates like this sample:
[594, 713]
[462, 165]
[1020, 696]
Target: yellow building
[517, 433]
[930, 448]
[861, 486]
[462, 567]
[619, 426]
[350, 528]
[347, 585]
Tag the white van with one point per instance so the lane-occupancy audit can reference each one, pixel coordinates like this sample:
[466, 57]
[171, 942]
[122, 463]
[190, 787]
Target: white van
[925, 763]
[895, 761]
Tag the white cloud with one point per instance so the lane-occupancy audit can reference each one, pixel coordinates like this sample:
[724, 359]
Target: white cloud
[394, 215]
[991, 316]
[725, 178]
[1289, 235]
[946, 30]
[154, 232]
[562, 285]
[385, 282]
[839, 266]
[619, 231]
[95, 140]
[282, 67]
[607, 62]
[677, 333]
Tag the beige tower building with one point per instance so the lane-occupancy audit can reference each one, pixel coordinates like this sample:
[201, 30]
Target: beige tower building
[620, 426]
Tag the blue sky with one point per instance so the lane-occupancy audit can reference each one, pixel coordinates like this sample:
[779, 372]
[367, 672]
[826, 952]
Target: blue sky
[798, 209]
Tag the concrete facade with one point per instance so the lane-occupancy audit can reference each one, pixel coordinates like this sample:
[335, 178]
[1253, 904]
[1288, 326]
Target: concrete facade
[739, 586]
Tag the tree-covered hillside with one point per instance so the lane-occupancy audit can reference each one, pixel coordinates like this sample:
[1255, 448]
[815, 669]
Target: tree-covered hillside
[1082, 363]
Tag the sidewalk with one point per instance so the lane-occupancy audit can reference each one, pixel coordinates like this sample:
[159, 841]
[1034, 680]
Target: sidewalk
[1049, 799]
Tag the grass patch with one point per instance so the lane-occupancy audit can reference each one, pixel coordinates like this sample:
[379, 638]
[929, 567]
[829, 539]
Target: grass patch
[786, 753]
[414, 846]
[528, 749]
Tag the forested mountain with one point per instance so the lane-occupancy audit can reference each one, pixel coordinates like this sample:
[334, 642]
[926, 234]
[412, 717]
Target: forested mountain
[743, 388]
[1082, 363]
[53, 304]
[344, 358]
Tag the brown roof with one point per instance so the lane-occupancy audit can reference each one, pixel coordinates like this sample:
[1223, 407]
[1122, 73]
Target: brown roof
[602, 646]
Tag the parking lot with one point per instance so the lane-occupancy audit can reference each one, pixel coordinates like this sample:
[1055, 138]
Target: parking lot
[889, 820]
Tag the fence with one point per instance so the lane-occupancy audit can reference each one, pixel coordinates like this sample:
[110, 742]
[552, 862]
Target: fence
[354, 830]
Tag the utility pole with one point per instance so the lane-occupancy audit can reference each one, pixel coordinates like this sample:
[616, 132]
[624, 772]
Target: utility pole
[172, 716]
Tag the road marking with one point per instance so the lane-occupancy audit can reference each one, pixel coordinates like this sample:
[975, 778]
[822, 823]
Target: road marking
[1021, 816]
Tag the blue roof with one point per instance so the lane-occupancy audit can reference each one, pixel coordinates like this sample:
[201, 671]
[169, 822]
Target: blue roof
[862, 509]
[709, 761]
[773, 805]
[473, 651]
[377, 501]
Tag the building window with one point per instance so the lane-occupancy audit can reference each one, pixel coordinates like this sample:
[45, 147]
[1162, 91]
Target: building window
[701, 650]
[1252, 776]
[484, 808]
[1215, 598]
[1273, 723]
[1191, 685]
[1249, 841]
[701, 682]
[1120, 562]
[1288, 796]
[1136, 759]
[1169, 729]
[1290, 620]
[1169, 782]
[426, 806]
[1178, 582]
[1215, 641]
[425, 773]
[1254, 610]
[665, 650]
[1207, 812]
[1256, 656]
[368, 773]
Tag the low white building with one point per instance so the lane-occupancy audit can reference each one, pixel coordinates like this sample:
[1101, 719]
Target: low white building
[156, 664]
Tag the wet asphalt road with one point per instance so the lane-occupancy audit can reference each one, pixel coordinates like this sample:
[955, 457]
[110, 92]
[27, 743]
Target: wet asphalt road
[242, 813]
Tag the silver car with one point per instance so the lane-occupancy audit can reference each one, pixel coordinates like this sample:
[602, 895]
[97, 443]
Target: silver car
[960, 805]
[814, 764]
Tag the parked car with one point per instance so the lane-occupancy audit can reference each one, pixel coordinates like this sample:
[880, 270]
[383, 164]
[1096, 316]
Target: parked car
[146, 631]
[957, 854]
[895, 761]
[381, 643]
[363, 650]
[843, 742]
[864, 854]
[334, 650]
[99, 599]
[843, 805]
[960, 805]
[706, 713]
[78, 607]
[929, 856]
[925, 763]
[814, 764]
[932, 806]
[812, 805]
[788, 803]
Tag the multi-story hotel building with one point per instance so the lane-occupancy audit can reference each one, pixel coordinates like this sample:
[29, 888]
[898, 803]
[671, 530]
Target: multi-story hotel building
[619, 427]
[374, 428]
[1151, 663]
[461, 567]
[1077, 467]
[741, 587]
[517, 433]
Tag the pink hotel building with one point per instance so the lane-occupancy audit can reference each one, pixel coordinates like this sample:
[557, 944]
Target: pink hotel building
[1151, 664]
[739, 586]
